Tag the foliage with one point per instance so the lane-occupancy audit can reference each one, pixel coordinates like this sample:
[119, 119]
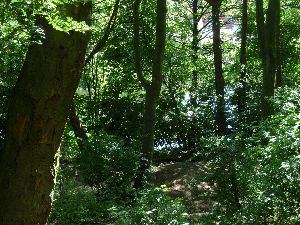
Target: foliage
[74, 203]
[91, 182]
[152, 206]
[107, 166]
[95, 185]
[266, 164]
[274, 180]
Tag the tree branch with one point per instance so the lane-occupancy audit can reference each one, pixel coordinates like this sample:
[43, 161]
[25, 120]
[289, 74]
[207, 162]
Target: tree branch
[102, 42]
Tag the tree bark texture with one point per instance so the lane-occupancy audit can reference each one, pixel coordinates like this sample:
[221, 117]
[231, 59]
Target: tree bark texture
[36, 120]
[268, 36]
[221, 125]
[152, 87]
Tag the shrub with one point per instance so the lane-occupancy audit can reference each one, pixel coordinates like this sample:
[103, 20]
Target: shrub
[74, 203]
[152, 206]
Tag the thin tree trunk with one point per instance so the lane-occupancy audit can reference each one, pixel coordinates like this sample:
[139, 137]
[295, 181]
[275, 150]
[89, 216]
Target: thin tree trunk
[109, 27]
[260, 23]
[278, 78]
[195, 47]
[234, 185]
[152, 88]
[36, 120]
[243, 58]
[221, 126]
[221, 123]
[241, 96]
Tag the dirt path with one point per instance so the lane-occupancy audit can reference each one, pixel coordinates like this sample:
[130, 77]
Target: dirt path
[187, 180]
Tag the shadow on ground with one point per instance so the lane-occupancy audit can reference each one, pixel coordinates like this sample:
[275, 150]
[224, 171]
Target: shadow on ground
[188, 180]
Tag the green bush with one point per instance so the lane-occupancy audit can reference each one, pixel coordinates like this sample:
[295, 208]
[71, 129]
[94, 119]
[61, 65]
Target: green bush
[275, 180]
[152, 206]
[267, 165]
[92, 181]
[108, 167]
[75, 204]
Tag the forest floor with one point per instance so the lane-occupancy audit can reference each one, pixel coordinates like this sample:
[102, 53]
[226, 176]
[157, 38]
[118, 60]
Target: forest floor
[189, 181]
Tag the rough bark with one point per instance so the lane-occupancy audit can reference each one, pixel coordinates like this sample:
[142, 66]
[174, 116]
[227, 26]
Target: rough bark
[36, 120]
[221, 125]
[152, 87]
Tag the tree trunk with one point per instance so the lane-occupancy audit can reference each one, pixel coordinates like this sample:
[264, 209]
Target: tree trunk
[268, 35]
[80, 134]
[195, 47]
[152, 88]
[260, 23]
[36, 120]
[243, 58]
[221, 123]
[278, 78]
[221, 126]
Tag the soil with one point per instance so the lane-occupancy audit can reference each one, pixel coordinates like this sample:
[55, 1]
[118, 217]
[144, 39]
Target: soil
[188, 180]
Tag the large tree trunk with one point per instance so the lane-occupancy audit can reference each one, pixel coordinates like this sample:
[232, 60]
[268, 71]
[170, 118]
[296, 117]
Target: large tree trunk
[152, 88]
[36, 120]
[270, 57]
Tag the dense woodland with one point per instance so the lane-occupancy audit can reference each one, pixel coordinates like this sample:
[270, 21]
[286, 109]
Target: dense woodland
[97, 97]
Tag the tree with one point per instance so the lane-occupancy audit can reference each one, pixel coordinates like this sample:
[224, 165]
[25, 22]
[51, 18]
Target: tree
[220, 118]
[268, 36]
[152, 87]
[37, 116]
[80, 133]
[221, 125]
[199, 9]
[243, 58]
